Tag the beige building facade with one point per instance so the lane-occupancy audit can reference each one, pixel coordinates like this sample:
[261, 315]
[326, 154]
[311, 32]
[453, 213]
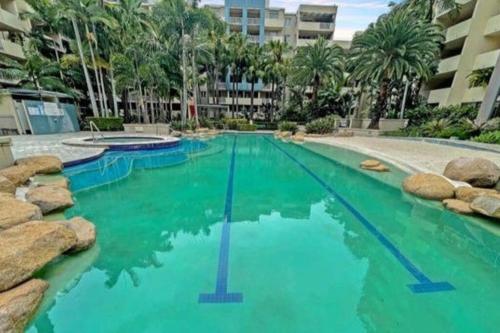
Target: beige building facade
[472, 45]
[12, 29]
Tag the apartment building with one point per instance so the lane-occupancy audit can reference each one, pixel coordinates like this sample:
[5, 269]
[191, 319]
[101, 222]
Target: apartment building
[262, 24]
[12, 28]
[472, 45]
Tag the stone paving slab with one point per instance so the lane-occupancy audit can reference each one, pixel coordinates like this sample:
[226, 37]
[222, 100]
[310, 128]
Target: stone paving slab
[51, 144]
[411, 156]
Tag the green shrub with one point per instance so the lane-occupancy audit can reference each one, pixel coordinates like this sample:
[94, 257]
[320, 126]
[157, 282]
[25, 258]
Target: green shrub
[207, 123]
[265, 125]
[177, 125]
[454, 114]
[488, 137]
[233, 123]
[106, 124]
[323, 125]
[288, 126]
[247, 127]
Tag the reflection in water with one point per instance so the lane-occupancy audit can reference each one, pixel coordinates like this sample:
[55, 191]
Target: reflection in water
[297, 254]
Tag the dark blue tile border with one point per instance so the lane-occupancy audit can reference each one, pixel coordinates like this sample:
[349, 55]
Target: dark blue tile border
[221, 295]
[84, 160]
[424, 285]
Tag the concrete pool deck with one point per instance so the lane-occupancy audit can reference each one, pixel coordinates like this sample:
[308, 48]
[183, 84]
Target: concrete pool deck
[409, 155]
[52, 144]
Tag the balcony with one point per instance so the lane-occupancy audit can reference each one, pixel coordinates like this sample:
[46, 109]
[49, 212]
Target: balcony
[474, 95]
[458, 31]
[253, 21]
[274, 38]
[11, 49]
[448, 65]
[253, 39]
[438, 96]
[487, 60]
[316, 26]
[274, 23]
[11, 22]
[493, 27]
[465, 7]
[236, 20]
[242, 101]
[305, 42]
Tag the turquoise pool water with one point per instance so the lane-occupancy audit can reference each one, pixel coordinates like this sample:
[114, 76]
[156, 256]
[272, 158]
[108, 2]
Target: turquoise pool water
[249, 234]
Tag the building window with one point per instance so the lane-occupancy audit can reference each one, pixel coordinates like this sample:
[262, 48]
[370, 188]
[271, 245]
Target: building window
[288, 22]
[273, 14]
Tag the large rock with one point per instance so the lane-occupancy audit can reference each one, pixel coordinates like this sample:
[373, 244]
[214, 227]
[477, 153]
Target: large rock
[488, 205]
[18, 305]
[478, 172]
[44, 164]
[6, 186]
[17, 174]
[429, 186]
[458, 206]
[26, 248]
[14, 212]
[84, 231]
[468, 194]
[50, 198]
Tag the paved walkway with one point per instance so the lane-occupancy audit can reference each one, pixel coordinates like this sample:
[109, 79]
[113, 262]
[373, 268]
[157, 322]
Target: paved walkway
[413, 156]
[29, 145]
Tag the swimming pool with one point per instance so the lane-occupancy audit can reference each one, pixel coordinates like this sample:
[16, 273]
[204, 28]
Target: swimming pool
[250, 234]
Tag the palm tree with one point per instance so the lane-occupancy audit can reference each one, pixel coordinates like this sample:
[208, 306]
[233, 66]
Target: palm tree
[426, 7]
[238, 47]
[394, 46]
[36, 72]
[316, 63]
[254, 72]
[273, 68]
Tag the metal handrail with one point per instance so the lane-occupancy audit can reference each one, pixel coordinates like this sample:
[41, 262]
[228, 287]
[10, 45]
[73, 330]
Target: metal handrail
[92, 127]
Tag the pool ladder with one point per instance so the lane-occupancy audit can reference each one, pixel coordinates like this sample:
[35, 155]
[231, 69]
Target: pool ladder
[93, 127]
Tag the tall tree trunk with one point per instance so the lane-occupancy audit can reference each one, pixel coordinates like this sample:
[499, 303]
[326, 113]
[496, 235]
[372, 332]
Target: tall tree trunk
[94, 65]
[142, 107]
[195, 87]
[380, 106]
[252, 100]
[90, 89]
[151, 102]
[237, 98]
[113, 92]
[104, 95]
[234, 92]
[126, 109]
[59, 62]
[272, 100]
[184, 106]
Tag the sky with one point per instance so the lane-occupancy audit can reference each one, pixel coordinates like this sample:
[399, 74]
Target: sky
[352, 15]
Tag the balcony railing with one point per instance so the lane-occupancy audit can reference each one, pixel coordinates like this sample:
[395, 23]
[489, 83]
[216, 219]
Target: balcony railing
[235, 20]
[11, 22]
[493, 26]
[253, 21]
[11, 49]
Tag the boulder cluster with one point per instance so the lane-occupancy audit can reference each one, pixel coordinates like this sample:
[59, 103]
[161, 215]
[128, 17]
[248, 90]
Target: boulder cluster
[374, 165]
[286, 136]
[27, 241]
[467, 186]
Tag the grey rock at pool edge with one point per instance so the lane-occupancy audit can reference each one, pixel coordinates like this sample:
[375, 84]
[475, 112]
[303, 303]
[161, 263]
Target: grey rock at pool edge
[14, 212]
[429, 186]
[26, 248]
[85, 233]
[487, 205]
[478, 172]
[50, 198]
[19, 304]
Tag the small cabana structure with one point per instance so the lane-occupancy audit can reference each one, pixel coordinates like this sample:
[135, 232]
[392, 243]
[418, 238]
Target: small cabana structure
[24, 111]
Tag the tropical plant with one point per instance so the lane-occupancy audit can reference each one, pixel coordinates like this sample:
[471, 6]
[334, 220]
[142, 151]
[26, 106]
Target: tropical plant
[275, 70]
[318, 63]
[395, 46]
[288, 126]
[238, 47]
[254, 72]
[488, 137]
[325, 125]
[480, 77]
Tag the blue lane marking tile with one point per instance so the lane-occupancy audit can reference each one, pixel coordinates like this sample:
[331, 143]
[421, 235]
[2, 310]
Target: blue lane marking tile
[221, 294]
[424, 285]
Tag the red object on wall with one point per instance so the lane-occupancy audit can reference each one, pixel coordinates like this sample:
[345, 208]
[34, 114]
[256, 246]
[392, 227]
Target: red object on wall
[192, 110]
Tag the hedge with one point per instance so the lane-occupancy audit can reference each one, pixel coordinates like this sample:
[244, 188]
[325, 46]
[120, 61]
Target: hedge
[106, 124]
